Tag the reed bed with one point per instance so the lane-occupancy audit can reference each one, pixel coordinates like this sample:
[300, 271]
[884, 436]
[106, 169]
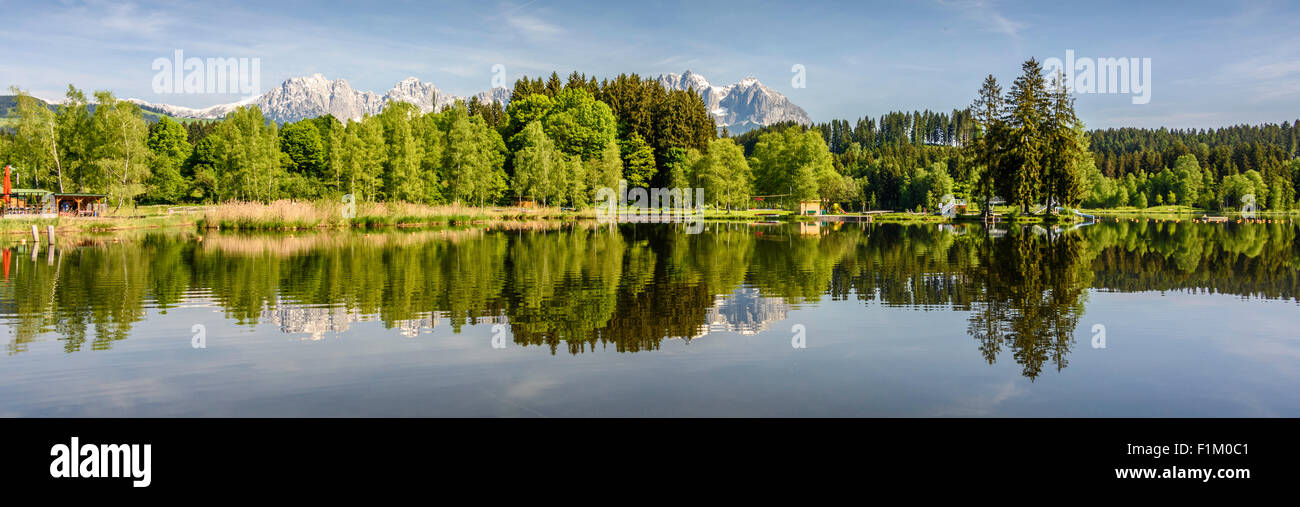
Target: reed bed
[286, 244]
[296, 215]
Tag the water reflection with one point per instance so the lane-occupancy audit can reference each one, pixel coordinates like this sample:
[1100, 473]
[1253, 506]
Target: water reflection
[579, 287]
[745, 311]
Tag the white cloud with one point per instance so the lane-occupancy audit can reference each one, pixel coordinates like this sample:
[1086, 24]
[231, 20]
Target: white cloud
[985, 15]
[533, 26]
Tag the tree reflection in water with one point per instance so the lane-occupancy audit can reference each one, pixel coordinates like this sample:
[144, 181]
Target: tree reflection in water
[629, 287]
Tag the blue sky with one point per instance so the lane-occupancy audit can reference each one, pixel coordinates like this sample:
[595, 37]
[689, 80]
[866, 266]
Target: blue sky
[1213, 63]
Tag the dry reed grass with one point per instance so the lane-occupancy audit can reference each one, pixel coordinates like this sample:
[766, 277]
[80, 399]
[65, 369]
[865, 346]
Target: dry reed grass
[290, 215]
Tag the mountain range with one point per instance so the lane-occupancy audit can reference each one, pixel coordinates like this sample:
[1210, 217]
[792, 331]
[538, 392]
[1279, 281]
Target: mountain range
[741, 106]
[316, 95]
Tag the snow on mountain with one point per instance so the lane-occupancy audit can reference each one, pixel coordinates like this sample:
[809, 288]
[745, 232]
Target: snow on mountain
[741, 106]
[216, 111]
[316, 95]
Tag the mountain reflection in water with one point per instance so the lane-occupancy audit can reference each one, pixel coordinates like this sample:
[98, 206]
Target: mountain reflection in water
[577, 288]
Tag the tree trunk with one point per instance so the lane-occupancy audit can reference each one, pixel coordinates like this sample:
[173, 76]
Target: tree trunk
[54, 149]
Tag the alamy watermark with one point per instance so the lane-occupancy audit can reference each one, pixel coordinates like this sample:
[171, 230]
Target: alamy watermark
[640, 204]
[200, 338]
[92, 461]
[1248, 206]
[1103, 75]
[800, 77]
[1098, 336]
[349, 209]
[498, 76]
[181, 75]
[498, 336]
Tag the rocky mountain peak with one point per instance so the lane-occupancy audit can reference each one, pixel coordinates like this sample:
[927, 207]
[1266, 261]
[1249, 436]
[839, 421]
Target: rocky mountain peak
[742, 106]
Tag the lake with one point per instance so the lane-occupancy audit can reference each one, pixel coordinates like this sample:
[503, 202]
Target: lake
[552, 319]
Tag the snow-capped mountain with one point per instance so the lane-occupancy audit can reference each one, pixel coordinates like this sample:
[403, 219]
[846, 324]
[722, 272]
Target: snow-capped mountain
[316, 95]
[741, 106]
[216, 111]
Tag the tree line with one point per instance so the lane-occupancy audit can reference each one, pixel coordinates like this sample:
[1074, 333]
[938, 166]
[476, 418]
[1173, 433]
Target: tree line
[560, 140]
[556, 143]
[911, 160]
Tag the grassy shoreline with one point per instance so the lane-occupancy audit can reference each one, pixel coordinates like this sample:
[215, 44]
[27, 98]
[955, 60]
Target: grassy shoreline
[289, 215]
[308, 215]
[82, 225]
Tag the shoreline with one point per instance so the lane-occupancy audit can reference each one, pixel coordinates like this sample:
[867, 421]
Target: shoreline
[304, 216]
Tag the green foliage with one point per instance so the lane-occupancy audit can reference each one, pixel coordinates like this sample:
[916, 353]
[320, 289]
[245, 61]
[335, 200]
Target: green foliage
[1235, 189]
[724, 174]
[306, 151]
[168, 141]
[929, 187]
[791, 162]
[121, 157]
[1017, 179]
[638, 161]
[539, 166]
[363, 159]
[1025, 145]
[679, 162]
[525, 110]
[662, 119]
[473, 158]
[36, 147]
[579, 124]
[604, 170]
[406, 177]
[245, 157]
[77, 138]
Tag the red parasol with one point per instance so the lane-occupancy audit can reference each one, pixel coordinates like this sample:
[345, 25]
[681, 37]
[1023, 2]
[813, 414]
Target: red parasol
[7, 186]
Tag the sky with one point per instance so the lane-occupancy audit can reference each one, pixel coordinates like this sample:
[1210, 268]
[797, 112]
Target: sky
[1212, 63]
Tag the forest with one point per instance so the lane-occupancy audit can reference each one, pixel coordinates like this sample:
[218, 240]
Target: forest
[560, 140]
[908, 160]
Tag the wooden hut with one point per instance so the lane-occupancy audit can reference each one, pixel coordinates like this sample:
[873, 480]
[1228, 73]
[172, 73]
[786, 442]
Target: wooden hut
[79, 205]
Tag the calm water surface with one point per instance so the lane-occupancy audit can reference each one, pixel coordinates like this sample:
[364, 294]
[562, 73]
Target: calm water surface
[646, 320]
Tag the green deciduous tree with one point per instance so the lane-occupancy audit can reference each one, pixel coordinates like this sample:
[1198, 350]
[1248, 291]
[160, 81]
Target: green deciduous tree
[472, 161]
[168, 141]
[791, 162]
[120, 152]
[724, 174]
[579, 124]
[76, 141]
[539, 165]
[364, 158]
[246, 157]
[36, 148]
[1188, 180]
[405, 176]
[639, 167]
[306, 150]
[604, 170]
